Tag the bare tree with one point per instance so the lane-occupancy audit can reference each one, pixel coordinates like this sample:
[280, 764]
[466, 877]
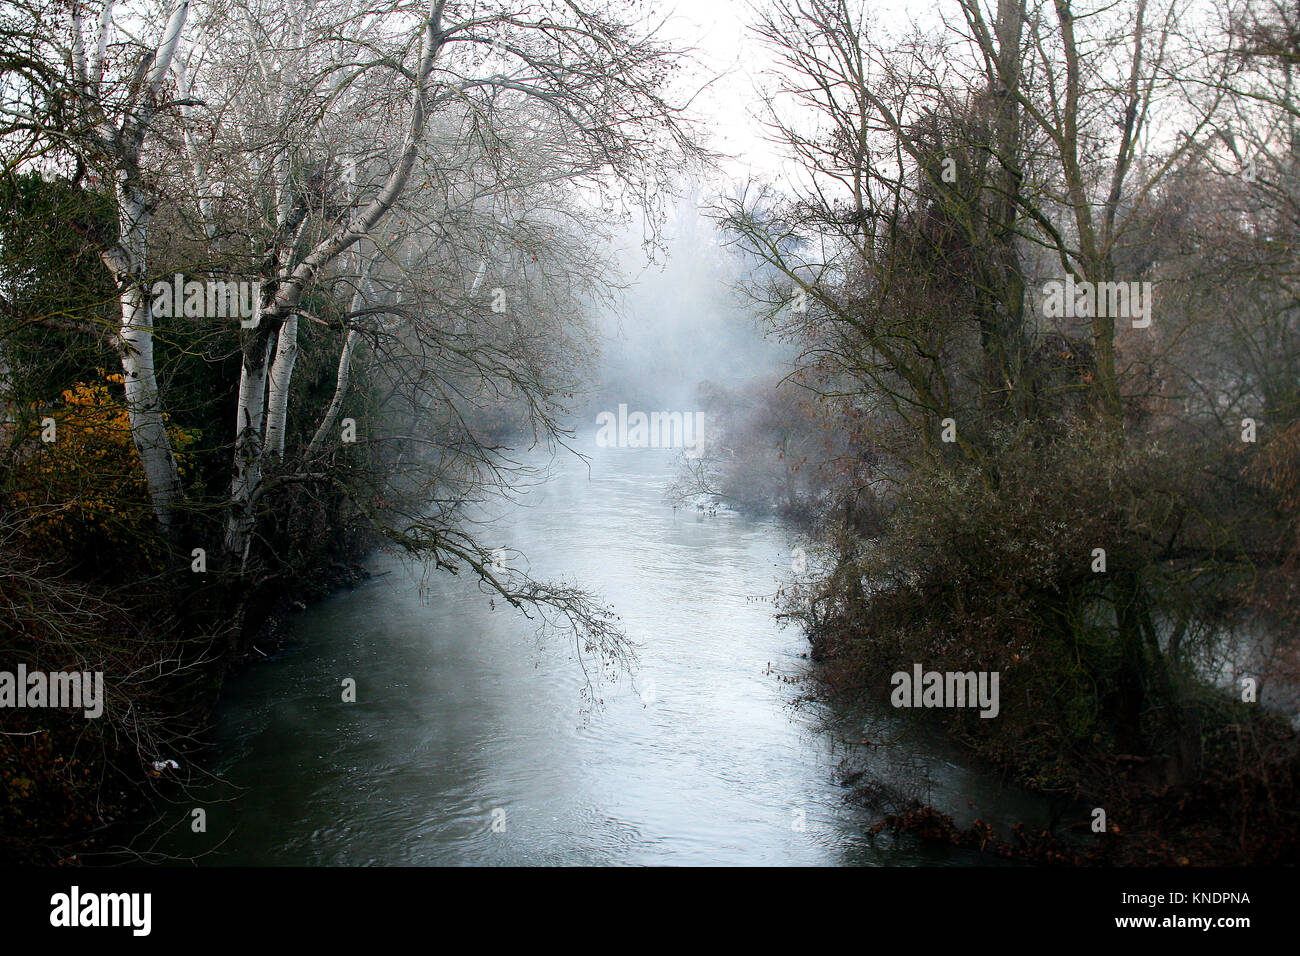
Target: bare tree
[114, 118]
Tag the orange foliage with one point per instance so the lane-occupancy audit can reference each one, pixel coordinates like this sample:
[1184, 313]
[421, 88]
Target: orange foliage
[86, 487]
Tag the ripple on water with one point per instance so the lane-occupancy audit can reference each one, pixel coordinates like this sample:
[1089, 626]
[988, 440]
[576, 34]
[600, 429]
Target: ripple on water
[464, 718]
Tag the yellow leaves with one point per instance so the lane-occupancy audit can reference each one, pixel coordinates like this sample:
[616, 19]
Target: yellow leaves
[87, 484]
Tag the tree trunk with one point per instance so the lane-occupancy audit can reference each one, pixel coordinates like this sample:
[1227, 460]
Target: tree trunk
[277, 403]
[135, 344]
[340, 391]
[248, 454]
[1009, 287]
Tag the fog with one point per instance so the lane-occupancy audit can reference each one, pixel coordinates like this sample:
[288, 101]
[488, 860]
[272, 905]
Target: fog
[682, 320]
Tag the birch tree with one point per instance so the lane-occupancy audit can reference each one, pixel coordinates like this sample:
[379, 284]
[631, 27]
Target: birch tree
[318, 131]
[114, 119]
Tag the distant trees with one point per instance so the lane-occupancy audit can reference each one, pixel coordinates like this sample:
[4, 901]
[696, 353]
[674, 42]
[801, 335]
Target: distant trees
[765, 451]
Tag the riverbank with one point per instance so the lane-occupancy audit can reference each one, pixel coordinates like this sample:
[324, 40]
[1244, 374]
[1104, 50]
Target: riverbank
[76, 794]
[1122, 810]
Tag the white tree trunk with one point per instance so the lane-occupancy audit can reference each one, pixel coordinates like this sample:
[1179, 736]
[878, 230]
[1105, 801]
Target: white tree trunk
[135, 344]
[125, 258]
[344, 375]
[340, 390]
[144, 408]
[277, 404]
[280, 310]
[248, 455]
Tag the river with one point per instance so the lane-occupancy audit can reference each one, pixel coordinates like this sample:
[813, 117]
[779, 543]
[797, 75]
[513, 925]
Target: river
[470, 742]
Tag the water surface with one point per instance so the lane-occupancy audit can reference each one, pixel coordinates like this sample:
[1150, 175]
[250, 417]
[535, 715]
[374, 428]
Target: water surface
[470, 741]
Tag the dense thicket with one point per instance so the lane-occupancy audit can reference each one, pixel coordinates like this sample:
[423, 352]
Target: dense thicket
[1098, 507]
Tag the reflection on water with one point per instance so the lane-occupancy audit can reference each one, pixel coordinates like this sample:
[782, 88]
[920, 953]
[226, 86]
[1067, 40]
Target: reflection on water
[464, 720]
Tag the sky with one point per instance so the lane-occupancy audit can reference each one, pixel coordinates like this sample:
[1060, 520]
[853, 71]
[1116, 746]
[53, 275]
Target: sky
[724, 46]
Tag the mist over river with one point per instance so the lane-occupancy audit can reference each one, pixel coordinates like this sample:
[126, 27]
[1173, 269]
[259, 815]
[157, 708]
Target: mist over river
[464, 720]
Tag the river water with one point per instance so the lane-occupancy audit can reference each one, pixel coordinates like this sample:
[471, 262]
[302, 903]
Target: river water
[470, 742]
